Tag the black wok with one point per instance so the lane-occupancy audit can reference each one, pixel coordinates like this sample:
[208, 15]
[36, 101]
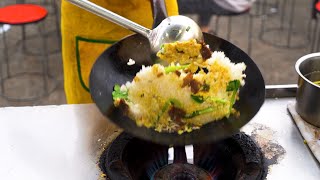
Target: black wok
[111, 68]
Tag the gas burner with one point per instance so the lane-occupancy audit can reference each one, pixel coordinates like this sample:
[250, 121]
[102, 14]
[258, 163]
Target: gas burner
[237, 157]
[179, 171]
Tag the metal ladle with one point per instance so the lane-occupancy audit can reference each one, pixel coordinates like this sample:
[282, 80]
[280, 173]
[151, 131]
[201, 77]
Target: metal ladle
[171, 29]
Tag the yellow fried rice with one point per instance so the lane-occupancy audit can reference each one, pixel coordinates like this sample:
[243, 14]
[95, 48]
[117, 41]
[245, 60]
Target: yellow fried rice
[181, 98]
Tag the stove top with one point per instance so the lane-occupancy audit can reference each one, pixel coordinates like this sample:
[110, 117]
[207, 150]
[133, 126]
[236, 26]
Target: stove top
[66, 142]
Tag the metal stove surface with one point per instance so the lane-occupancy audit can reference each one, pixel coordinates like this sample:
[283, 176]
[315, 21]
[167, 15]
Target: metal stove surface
[65, 142]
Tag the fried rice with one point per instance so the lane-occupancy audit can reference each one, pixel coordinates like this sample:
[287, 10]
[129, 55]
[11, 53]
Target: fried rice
[186, 94]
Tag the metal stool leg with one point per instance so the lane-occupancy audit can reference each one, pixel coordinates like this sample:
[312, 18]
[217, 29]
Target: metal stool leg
[23, 29]
[314, 36]
[282, 14]
[310, 35]
[313, 27]
[291, 22]
[258, 9]
[44, 58]
[24, 38]
[264, 16]
[4, 53]
[264, 7]
[56, 12]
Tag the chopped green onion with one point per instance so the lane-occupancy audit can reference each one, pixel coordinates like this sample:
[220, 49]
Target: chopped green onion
[165, 107]
[233, 85]
[232, 100]
[188, 28]
[118, 94]
[198, 99]
[199, 112]
[171, 101]
[162, 50]
[218, 100]
[205, 87]
[175, 68]
[201, 99]
[175, 102]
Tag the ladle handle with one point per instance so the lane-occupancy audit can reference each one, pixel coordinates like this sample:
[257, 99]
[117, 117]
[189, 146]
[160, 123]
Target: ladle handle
[111, 16]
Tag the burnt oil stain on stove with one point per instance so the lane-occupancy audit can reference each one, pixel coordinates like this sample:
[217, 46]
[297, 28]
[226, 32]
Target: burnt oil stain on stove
[273, 152]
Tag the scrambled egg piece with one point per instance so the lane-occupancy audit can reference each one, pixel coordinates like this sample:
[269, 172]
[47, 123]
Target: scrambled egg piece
[182, 52]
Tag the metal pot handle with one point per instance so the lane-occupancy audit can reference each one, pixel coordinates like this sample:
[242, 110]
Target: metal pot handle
[159, 12]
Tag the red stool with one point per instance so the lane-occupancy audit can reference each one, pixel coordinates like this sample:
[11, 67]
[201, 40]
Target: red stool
[20, 15]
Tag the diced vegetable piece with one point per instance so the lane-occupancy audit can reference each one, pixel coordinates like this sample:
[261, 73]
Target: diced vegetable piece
[118, 93]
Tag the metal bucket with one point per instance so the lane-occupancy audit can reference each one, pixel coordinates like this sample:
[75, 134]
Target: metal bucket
[308, 93]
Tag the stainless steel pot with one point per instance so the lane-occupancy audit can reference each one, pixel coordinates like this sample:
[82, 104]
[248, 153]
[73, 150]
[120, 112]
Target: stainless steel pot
[308, 94]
